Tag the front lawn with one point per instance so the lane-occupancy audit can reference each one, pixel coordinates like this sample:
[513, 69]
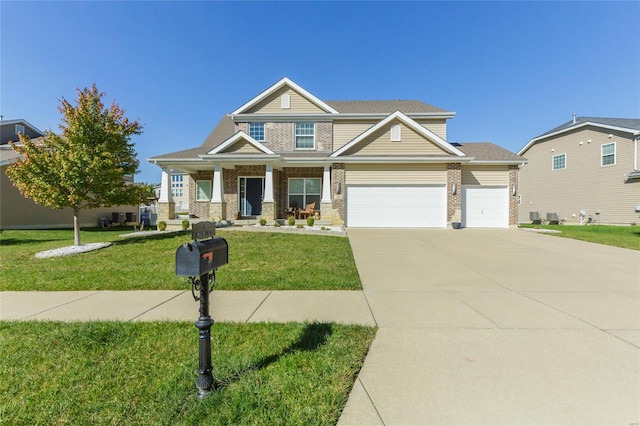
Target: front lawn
[618, 236]
[145, 373]
[257, 261]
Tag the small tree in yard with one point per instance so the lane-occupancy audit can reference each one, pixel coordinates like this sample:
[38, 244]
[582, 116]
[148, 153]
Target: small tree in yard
[84, 166]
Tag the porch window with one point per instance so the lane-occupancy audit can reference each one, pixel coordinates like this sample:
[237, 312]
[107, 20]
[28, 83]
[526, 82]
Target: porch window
[608, 154]
[305, 135]
[303, 191]
[203, 190]
[256, 131]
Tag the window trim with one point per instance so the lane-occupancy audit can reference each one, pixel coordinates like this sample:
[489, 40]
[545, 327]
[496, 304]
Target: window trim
[263, 131]
[602, 155]
[295, 135]
[553, 161]
[198, 182]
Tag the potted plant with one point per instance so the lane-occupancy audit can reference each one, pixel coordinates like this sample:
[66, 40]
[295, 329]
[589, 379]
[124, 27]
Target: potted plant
[456, 219]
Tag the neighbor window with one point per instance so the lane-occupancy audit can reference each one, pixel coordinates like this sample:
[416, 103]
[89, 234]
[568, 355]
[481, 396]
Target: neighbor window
[203, 190]
[177, 185]
[305, 135]
[608, 154]
[303, 191]
[256, 131]
[19, 129]
[559, 162]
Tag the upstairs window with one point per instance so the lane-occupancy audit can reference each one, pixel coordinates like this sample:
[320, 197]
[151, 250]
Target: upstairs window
[608, 152]
[19, 129]
[256, 131]
[305, 135]
[559, 162]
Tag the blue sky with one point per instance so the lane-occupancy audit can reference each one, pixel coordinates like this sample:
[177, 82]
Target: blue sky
[510, 70]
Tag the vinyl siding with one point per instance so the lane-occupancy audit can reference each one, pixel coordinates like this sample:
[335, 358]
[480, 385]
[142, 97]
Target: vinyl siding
[584, 183]
[345, 132]
[299, 104]
[437, 126]
[379, 143]
[485, 175]
[395, 174]
[18, 212]
[242, 147]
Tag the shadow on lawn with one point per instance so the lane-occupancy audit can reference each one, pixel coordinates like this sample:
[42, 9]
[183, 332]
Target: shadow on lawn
[17, 241]
[151, 237]
[313, 337]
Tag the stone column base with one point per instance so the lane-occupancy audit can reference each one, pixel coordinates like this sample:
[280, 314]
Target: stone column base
[268, 211]
[327, 212]
[166, 211]
[218, 211]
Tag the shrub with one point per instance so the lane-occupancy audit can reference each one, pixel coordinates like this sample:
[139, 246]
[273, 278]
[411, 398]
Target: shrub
[291, 221]
[263, 222]
[162, 225]
[185, 225]
[276, 225]
[300, 226]
[310, 221]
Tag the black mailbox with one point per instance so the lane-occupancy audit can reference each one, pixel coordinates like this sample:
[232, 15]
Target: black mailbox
[201, 257]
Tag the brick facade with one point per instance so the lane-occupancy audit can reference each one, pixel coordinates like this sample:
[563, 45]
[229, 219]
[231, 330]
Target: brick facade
[199, 208]
[454, 201]
[280, 137]
[513, 194]
[338, 178]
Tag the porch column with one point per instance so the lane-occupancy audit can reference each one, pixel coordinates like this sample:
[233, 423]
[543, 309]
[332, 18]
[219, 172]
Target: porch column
[218, 208]
[268, 203]
[166, 206]
[326, 205]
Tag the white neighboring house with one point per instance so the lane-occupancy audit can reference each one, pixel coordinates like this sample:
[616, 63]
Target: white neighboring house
[585, 170]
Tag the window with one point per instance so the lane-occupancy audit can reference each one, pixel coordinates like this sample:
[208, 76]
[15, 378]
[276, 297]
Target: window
[559, 162]
[203, 190]
[396, 133]
[608, 154]
[305, 135]
[177, 185]
[256, 131]
[19, 129]
[303, 191]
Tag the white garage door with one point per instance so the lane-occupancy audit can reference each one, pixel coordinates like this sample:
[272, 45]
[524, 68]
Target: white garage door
[485, 207]
[397, 206]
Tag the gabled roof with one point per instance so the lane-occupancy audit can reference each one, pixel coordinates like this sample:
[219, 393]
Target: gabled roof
[277, 86]
[628, 125]
[240, 136]
[409, 123]
[23, 122]
[383, 107]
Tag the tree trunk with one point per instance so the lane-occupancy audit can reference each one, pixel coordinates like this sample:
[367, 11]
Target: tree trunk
[76, 226]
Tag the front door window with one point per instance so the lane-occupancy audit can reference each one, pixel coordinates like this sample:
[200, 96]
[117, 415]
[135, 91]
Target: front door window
[251, 194]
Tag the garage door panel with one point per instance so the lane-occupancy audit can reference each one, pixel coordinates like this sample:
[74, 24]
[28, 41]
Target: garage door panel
[396, 206]
[485, 207]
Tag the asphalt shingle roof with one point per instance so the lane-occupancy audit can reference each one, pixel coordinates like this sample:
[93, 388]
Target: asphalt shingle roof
[629, 123]
[487, 151]
[382, 107]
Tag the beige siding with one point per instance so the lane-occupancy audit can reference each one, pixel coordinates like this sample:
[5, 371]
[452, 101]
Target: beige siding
[395, 174]
[584, 183]
[379, 143]
[485, 175]
[345, 132]
[299, 104]
[18, 212]
[242, 147]
[437, 126]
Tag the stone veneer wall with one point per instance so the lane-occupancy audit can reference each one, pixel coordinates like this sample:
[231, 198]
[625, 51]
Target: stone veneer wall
[454, 202]
[513, 199]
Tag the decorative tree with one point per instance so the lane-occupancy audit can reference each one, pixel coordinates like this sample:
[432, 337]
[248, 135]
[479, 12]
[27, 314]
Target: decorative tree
[84, 166]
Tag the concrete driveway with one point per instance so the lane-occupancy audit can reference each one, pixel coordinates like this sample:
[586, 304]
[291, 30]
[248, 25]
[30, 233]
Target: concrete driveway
[497, 327]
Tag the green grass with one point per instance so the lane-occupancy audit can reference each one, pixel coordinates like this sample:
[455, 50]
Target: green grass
[257, 261]
[144, 373]
[618, 236]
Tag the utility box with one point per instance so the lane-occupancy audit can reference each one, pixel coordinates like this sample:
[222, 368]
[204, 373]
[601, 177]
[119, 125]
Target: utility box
[535, 217]
[201, 257]
[553, 218]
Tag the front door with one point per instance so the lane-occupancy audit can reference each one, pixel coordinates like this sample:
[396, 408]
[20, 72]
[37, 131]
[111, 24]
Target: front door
[251, 194]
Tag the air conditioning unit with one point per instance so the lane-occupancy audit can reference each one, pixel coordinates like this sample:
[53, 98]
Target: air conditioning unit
[638, 209]
[553, 218]
[534, 216]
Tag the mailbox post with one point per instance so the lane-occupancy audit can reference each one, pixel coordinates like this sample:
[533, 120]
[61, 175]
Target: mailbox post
[198, 261]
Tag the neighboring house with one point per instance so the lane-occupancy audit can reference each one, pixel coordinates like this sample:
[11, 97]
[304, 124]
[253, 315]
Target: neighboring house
[9, 130]
[18, 212]
[363, 164]
[585, 170]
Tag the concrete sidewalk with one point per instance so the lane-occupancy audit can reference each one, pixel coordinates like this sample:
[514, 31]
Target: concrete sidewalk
[348, 307]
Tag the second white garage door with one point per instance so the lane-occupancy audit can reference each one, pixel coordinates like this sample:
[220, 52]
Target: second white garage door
[396, 206]
[485, 207]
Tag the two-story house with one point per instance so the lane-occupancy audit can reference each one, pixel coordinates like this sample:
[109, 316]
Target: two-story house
[585, 170]
[360, 163]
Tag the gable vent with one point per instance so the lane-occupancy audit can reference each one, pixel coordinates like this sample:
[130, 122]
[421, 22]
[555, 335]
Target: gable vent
[396, 133]
[285, 101]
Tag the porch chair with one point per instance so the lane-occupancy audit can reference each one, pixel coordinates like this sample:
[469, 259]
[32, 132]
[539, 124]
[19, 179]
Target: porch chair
[308, 211]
